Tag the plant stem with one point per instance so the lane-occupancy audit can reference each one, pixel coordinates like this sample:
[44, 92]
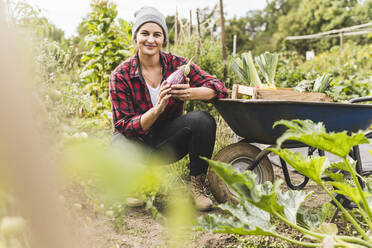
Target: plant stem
[301, 229]
[308, 244]
[361, 192]
[346, 213]
[355, 241]
[342, 243]
[365, 217]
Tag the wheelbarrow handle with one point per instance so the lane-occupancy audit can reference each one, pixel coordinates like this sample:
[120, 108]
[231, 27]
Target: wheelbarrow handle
[361, 99]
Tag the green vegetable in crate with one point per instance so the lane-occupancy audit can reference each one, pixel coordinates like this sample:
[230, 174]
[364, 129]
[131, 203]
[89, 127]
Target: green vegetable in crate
[321, 83]
[267, 63]
[245, 69]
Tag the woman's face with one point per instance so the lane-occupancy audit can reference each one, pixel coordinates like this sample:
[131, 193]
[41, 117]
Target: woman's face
[150, 39]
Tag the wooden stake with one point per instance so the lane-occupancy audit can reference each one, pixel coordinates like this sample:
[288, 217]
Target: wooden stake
[234, 44]
[198, 45]
[176, 28]
[224, 56]
[341, 40]
[190, 22]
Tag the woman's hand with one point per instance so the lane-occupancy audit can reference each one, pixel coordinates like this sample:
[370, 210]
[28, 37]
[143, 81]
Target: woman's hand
[181, 91]
[163, 98]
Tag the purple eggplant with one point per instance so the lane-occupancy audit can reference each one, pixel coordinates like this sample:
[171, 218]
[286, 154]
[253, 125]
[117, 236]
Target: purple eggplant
[179, 76]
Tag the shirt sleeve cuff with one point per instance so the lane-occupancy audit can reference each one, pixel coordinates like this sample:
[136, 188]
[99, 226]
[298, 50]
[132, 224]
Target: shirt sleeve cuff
[137, 127]
[220, 90]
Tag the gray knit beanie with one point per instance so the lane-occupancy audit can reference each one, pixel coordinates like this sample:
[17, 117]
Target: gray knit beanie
[149, 14]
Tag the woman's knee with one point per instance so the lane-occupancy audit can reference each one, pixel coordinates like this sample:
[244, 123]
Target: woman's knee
[201, 120]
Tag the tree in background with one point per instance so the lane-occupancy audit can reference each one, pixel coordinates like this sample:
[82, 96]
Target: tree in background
[265, 30]
[255, 31]
[315, 16]
[239, 27]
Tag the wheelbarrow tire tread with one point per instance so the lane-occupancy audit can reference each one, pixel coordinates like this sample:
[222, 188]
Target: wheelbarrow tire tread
[218, 188]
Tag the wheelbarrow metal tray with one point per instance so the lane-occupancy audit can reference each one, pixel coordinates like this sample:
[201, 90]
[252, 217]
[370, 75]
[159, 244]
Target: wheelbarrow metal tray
[253, 119]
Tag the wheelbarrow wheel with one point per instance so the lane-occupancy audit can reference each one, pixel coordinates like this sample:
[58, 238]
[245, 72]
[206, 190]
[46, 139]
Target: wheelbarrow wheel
[240, 156]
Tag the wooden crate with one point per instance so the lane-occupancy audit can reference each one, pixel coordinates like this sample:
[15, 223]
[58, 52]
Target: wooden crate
[278, 94]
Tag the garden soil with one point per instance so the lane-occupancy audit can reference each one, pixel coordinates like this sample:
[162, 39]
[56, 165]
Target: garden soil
[140, 229]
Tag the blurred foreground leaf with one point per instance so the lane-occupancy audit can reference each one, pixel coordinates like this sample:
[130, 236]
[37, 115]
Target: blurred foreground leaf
[115, 172]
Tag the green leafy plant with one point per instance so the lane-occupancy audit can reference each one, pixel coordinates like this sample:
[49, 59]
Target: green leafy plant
[109, 43]
[267, 63]
[245, 69]
[257, 204]
[322, 82]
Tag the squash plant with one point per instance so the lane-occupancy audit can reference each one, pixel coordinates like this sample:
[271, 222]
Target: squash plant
[257, 204]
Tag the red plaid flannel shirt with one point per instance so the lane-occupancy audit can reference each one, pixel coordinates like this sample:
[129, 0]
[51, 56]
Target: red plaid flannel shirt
[130, 97]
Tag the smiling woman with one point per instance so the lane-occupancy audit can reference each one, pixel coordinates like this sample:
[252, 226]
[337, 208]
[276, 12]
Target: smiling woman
[148, 111]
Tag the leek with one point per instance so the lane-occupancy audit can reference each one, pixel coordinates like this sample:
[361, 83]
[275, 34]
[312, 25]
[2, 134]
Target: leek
[267, 63]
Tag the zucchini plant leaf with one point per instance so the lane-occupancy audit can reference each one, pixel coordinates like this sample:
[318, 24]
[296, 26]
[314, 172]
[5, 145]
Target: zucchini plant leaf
[349, 191]
[341, 165]
[337, 170]
[243, 220]
[244, 217]
[338, 177]
[307, 219]
[312, 167]
[263, 196]
[291, 201]
[315, 135]
[312, 220]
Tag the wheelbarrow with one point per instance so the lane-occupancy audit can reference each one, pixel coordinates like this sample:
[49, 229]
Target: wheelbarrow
[253, 120]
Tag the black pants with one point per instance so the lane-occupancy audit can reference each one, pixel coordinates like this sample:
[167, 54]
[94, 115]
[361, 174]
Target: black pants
[193, 133]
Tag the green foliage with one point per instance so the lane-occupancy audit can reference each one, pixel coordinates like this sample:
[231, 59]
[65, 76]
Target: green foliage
[252, 220]
[312, 219]
[321, 83]
[312, 17]
[351, 68]
[269, 200]
[351, 71]
[311, 166]
[246, 70]
[315, 135]
[238, 26]
[289, 73]
[210, 60]
[27, 18]
[109, 44]
[265, 30]
[352, 62]
[267, 63]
